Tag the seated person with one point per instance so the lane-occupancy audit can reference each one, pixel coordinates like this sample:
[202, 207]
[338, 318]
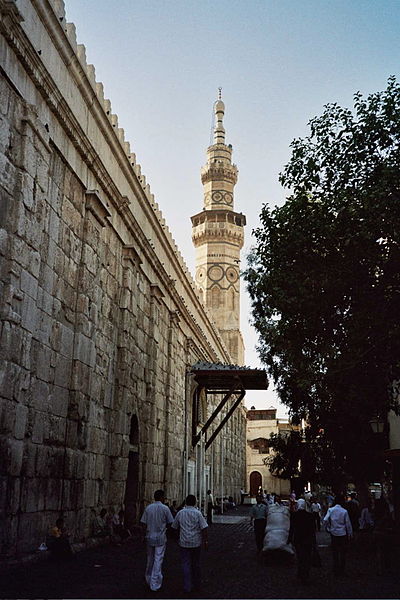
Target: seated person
[118, 526]
[59, 541]
[100, 527]
[231, 503]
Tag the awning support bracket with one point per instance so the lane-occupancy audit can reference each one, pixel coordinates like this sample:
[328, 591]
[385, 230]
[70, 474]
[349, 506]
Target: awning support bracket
[225, 419]
[217, 410]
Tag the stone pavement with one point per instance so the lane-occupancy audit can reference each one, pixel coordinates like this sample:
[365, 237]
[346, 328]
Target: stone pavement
[231, 569]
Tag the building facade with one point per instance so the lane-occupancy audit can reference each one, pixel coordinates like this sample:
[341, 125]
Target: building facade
[101, 321]
[260, 425]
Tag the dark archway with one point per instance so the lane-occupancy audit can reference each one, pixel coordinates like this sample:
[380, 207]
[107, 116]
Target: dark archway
[132, 480]
[255, 482]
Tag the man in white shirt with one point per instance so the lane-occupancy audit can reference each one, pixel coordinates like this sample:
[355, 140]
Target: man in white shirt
[192, 531]
[156, 518]
[338, 524]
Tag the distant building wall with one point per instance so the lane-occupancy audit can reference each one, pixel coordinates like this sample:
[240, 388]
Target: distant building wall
[260, 425]
[100, 318]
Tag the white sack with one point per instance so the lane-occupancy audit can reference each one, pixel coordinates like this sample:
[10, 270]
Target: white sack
[277, 529]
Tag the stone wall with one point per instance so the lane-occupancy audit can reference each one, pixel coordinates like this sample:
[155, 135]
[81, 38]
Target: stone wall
[100, 318]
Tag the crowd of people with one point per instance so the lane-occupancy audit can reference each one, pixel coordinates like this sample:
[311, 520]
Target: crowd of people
[342, 517]
[298, 519]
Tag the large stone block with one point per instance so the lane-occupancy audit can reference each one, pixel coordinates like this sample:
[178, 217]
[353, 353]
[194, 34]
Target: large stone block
[28, 468]
[7, 418]
[21, 419]
[44, 327]
[41, 361]
[32, 494]
[54, 459]
[35, 530]
[62, 375]
[11, 455]
[9, 374]
[54, 431]
[58, 401]
[29, 314]
[40, 395]
[84, 350]
[53, 494]
[90, 493]
[81, 377]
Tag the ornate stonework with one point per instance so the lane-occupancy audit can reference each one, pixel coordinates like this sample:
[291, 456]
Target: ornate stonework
[217, 234]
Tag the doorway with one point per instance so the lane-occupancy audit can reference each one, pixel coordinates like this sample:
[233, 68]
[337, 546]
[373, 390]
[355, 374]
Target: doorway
[255, 482]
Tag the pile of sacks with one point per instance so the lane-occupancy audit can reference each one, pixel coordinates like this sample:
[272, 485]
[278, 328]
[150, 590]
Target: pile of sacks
[277, 529]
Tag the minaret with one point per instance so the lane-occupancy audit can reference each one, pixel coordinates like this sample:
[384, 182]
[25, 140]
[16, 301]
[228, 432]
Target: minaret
[217, 234]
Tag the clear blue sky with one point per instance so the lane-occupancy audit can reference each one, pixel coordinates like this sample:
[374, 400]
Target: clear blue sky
[277, 61]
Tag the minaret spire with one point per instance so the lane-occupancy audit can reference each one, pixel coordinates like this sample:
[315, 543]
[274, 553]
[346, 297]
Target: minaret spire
[219, 110]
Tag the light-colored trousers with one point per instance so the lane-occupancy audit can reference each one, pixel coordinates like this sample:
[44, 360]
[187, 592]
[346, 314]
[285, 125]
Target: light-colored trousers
[155, 557]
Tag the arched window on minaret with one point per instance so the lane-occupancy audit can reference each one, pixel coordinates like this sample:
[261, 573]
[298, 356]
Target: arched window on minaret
[215, 297]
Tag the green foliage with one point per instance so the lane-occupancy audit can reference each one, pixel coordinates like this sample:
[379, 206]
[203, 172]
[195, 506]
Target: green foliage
[324, 278]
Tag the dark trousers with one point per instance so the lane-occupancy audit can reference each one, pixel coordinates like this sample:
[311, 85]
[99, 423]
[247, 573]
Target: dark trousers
[304, 554]
[259, 529]
[190, 558]
[317, 521]
[339, 551]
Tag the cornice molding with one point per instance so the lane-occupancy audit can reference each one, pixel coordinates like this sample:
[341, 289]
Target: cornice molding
[10, 15]
[96, 206]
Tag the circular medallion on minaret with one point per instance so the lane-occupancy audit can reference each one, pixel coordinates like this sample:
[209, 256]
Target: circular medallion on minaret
[232, 275]
[217, 197]
[228, 197]
[215, 272]
[201, 275]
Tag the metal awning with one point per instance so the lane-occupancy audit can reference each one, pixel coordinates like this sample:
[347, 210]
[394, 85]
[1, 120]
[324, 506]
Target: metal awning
[217, 378]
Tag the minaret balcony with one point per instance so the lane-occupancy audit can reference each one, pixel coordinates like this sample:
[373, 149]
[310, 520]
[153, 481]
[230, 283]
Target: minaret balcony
[201, 235]
[223, 215]
[219, 173]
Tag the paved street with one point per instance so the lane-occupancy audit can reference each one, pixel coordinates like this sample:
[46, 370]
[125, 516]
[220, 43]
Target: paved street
[231, 569]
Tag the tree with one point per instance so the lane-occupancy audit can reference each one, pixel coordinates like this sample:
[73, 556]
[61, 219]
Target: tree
[324, 280]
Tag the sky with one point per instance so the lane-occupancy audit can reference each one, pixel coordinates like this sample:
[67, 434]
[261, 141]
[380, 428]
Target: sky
[278, 63]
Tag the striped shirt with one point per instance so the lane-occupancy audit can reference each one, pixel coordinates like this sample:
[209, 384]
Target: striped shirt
[190, 522]
[156, 517]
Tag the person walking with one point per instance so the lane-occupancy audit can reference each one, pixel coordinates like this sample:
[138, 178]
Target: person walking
[258, 515]
[242, 496]
[353, 508]
[156, 518]
[316, 510]
[210, 506]
[302, 534]
[338, 524]
[384, 535]
[192, 532]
